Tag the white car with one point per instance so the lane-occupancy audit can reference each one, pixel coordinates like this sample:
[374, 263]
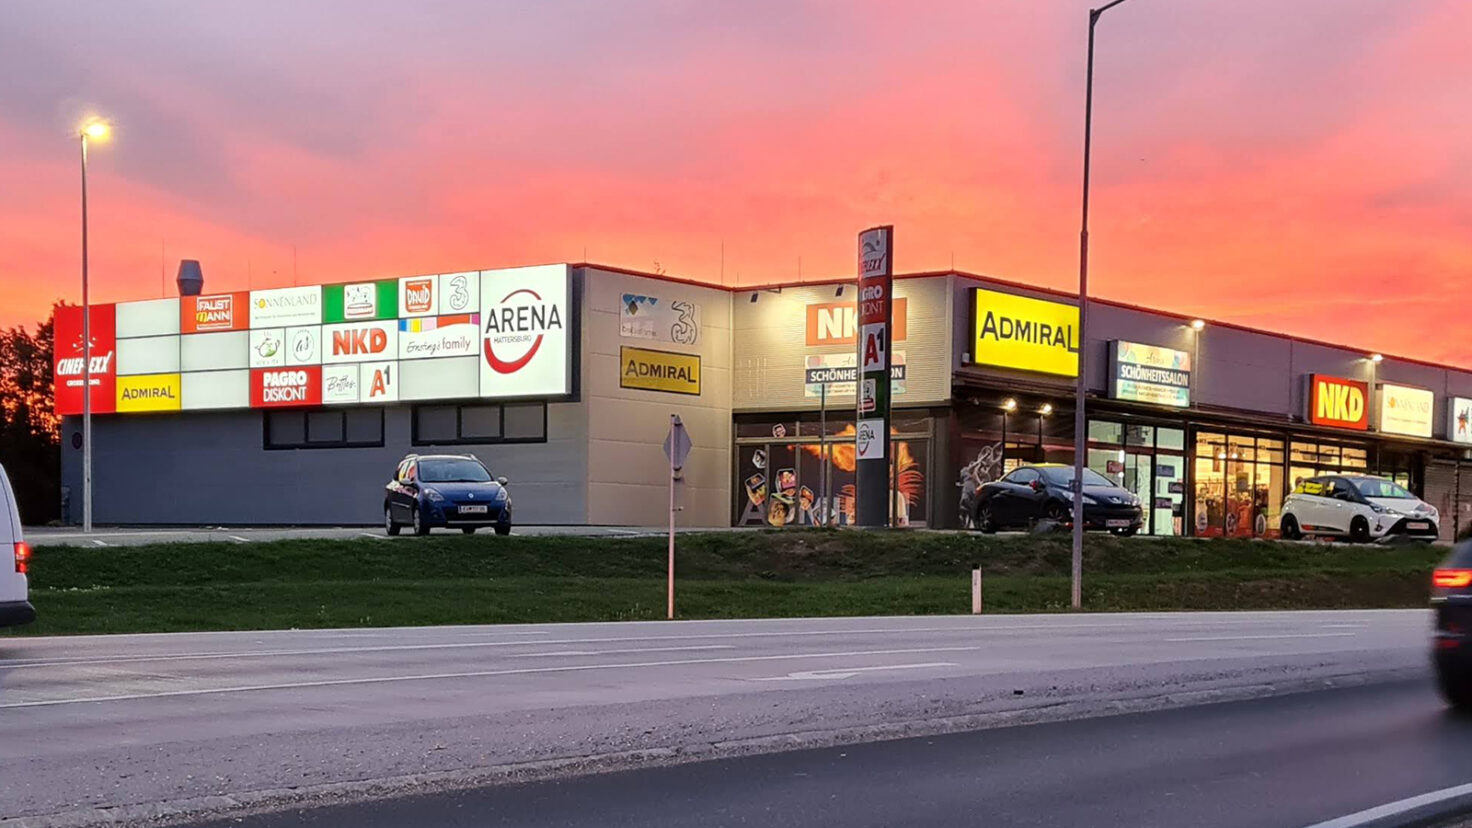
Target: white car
[1358, 507]
[15, 560]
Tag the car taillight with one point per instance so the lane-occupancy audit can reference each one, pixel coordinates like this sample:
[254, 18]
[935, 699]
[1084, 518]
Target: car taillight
[1451, 578]
[22, 557]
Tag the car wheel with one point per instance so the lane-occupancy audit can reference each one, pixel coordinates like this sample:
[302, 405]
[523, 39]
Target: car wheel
[503, 528]
[1455, 687]
[388, 522]
[1056, 512]
[1290, 529]
[420, 527]
[985, 523]
[1359, 530]
[469, 530]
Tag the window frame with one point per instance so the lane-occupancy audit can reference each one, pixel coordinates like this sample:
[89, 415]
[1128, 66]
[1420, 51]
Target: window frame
[416, 439]
[307, 444]
[1012, 475]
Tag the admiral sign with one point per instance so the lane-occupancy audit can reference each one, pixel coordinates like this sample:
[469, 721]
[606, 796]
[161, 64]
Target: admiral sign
[651, 370]
[524, 332]
[149, 392]
[1025, 333]
[1338, 402]
[1406, 410]
[1149, 374]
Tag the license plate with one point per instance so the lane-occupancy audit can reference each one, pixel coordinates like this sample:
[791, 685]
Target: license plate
[1418, 524]
[1116, 523]
[472, 510]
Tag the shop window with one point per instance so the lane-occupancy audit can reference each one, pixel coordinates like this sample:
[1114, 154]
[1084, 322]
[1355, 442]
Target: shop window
[1139, 435]
[1239, 484]
[1355, 458]
[805, 483]
[1173, 439]
[327, 428]
[1105, 432]
[479, 424]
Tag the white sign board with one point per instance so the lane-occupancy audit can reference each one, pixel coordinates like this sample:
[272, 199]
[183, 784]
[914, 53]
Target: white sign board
[1458, 419]
[149, 355]
[267, 347]
[154, 317]
[281, 307]
[1405, 410]
[459, 292]
[439, 336]
[869, 439]
[873, 253]
[214, 351]
[658, 319]
[359, 341]
[419, 296]
[525, 331]
[304, 345]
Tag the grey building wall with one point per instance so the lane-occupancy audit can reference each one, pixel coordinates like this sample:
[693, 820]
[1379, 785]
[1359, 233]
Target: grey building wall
[212, 468]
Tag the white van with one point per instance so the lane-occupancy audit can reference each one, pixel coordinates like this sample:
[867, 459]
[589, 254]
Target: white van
[15, 559]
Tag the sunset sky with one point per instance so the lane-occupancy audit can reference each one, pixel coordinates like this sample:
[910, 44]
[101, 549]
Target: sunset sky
[1299, 166]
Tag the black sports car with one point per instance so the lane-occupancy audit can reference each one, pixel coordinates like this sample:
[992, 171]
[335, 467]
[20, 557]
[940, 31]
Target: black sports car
[1029, 494]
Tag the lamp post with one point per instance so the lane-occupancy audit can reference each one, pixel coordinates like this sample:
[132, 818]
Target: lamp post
[1080, 419]
[96, 130]
[1009, 405]
[1196, 326]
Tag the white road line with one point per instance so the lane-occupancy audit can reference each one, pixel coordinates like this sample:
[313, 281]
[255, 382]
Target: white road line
[551, 653]
[1344, 626]
[1260, 637]
[1445, 796]
[387, 648]
[850, 672]
[98, 543]
[298, 685]
[238, 539]
[370, 535]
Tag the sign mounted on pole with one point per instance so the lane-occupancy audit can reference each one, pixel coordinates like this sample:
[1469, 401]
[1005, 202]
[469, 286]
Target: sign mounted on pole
[875, 324]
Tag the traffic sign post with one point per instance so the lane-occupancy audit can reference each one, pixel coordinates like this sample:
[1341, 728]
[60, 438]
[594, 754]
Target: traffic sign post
[676, 449]
[871, 438]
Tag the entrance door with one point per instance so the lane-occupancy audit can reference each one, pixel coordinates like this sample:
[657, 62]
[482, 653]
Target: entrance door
[1139, 477]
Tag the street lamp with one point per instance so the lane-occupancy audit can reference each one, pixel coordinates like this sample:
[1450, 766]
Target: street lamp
[1080, 420]
[1196, 327]
[94, 129]
[1009, 405]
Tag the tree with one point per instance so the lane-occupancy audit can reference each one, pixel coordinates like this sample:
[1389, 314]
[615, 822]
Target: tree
[30, 448]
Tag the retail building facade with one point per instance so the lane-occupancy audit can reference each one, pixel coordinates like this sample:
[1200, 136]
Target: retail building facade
[230, 414]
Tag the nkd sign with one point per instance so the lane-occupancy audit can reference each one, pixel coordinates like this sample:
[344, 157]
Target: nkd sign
[1338, 402]
[837, 323]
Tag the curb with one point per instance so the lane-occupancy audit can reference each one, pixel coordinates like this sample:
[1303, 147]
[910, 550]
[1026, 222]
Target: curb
[184, 811]
[1422, 811]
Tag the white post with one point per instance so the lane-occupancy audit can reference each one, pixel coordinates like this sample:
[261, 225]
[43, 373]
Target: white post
[976, 591]
[670, 608]
[823, 450]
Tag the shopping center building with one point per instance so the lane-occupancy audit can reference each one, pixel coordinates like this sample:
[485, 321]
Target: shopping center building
[294, 405]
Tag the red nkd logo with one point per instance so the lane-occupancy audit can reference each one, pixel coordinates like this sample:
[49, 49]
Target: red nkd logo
[361, 341]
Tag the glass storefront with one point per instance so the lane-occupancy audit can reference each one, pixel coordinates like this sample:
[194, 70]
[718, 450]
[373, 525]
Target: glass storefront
[1149, 462]
[790, 473]
[1239, 485]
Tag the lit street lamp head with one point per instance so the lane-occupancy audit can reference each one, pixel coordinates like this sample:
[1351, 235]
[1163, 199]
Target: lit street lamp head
[1198, 324]
[97, 130]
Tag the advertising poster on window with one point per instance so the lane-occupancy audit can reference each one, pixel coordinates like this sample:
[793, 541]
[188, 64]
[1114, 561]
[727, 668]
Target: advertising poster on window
[1149, 374]
[652, 317]
[1459, 420]
[525, 335]
[70, 363]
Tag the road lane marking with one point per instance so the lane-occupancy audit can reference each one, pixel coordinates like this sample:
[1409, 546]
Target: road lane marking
[1261, 637]
[98, 543]
[551, 653]
[850, 672]
[1432, 802]
[566, 668]
[238, 539]
[371, 535]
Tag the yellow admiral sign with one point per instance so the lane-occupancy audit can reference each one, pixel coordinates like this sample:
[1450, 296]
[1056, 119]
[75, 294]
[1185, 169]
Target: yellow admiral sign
[148, 392]
[650, 370]
[1024, 333]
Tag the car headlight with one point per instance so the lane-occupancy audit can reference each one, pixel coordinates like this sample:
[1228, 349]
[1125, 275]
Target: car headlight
[1377, 508]
[502, 496]
[434, 495]
[1089, 499]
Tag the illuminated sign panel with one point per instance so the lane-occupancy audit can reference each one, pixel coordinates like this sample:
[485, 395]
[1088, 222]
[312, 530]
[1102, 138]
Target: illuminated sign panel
[650, 370]
[419, 296]
[359, 342]
[836, 323]
[214, 351]
[439, 336]
[360, 300]
[459, 293]
[1338, 402]
[641, 316]
[439, 379]
[213, 390]
[286, 387]
[1406, 410]
[216, 312]
[149, 392]
[1149, 374]
[70, 364]
[525, 327]
[153, 317]
[282, 307]
[1025, 333]
[148, 355]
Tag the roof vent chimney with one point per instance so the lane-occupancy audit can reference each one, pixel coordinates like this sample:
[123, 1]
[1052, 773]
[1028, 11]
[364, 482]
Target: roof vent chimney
[191, 278]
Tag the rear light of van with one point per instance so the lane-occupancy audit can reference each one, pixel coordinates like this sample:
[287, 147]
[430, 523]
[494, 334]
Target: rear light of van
[22, 557]
[1451, 578]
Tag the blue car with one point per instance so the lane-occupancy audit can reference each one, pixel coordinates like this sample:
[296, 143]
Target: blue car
[450, 490]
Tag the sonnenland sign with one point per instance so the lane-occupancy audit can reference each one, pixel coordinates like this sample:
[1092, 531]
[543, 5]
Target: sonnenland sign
[1027, 334]
[1149, 374]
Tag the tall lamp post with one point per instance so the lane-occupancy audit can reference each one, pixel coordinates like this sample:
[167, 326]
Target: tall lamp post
[1080, 419]
[96, 130]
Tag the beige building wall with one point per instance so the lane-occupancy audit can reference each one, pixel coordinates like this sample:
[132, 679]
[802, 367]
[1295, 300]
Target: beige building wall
[775, 332]
[627, 471]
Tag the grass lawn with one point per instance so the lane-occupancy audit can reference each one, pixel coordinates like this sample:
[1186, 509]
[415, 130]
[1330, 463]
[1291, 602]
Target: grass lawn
[448, 579]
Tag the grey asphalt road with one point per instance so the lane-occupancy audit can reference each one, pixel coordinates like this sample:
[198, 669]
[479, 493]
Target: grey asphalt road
[109, 722]
[1282, 762]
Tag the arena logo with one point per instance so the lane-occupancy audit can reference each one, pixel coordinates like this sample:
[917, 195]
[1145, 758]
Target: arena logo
[514, 330]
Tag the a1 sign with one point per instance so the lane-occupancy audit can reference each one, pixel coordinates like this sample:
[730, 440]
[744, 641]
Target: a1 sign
[876, 347]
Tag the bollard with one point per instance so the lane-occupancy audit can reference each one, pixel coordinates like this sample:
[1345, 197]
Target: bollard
[976, 590]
